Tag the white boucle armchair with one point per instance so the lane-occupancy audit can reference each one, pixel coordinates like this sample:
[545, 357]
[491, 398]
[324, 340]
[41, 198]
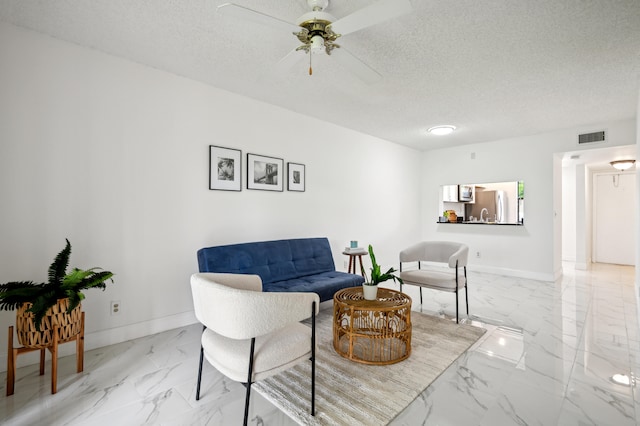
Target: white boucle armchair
[249, 335]
[453, 254]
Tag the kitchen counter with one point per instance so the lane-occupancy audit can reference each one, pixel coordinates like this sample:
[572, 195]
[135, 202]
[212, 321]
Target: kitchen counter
[482, 223]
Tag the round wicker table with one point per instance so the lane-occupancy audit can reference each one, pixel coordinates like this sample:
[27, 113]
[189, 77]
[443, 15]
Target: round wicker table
[372, 331]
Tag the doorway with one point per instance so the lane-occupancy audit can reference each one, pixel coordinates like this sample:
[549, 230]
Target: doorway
[614, 224]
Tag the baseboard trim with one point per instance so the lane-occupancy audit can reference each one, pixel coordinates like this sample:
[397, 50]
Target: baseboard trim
[516, 273]
[108, 337]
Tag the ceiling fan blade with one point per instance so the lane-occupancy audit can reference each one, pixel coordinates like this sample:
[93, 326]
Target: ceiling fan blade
[231, 9]
[358, 68]
[290, 60]
[376, 13]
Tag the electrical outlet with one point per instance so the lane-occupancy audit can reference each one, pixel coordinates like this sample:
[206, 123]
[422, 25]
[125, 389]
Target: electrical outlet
[477, 254]
[115, 307]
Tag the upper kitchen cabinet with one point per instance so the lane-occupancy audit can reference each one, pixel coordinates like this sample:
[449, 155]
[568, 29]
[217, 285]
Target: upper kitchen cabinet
[450, 193]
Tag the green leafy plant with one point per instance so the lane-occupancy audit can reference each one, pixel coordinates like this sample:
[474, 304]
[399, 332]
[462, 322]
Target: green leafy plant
[60, 285]
[377, 276]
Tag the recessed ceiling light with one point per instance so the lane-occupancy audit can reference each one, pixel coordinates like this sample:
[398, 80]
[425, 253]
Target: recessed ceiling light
[441, 130]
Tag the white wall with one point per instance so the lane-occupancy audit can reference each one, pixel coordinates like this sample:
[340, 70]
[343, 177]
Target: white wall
[114, 156]
[584, 215]
[532, 250]
[569, 213]
[638, 209]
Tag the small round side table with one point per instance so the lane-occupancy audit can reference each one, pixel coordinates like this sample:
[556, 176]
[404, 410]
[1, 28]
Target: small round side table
[353, 259]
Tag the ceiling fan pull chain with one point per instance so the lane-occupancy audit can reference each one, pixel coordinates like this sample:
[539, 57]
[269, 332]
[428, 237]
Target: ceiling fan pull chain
[310, 69]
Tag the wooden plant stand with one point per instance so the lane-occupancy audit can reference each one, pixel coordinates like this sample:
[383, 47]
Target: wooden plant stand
[55, 332]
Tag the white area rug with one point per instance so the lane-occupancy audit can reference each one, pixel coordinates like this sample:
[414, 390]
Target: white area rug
[350, 393]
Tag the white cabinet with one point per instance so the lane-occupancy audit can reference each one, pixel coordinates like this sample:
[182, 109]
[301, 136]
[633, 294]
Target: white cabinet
[467, 193]
[450, 193]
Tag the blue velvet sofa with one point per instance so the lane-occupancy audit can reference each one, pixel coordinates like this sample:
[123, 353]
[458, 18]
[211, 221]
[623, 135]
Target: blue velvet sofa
[303, 264]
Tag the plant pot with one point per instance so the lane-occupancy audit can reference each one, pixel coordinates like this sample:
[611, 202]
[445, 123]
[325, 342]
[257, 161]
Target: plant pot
[370, 292]
[69, 325]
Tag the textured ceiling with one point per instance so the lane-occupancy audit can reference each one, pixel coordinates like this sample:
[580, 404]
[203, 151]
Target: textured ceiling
[494, 68]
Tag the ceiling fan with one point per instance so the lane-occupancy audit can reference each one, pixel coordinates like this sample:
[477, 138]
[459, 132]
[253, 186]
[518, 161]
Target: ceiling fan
[318, 31]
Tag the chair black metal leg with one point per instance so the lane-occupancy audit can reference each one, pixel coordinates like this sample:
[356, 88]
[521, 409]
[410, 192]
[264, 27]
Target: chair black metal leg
[466, 296]
[457, 322]
[249, 377]
[466, 289]
[313, 359]
[200, 369]
[457, 288]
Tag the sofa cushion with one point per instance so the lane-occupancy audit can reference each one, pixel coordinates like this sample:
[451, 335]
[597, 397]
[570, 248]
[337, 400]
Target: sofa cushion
[325, 284]
[440, 280]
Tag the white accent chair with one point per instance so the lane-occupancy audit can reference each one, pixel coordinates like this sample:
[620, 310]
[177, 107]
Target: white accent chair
[453, 254]
[249, 335]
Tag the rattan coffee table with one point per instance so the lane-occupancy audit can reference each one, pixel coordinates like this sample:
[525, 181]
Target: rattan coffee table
[372, 331]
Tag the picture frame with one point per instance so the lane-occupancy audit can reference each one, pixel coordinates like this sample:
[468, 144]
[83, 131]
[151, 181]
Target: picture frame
[265, 173]
[225, 168]
[296, 177]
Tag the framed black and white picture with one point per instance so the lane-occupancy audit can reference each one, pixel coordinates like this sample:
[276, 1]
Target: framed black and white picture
[264, 173]
[225, 169]
[296, 177]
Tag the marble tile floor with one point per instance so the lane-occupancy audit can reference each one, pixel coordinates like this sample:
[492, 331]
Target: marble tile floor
[548, 358]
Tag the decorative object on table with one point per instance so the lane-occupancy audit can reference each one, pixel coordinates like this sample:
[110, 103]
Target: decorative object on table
[370, 287]
[297, 177]
[49, 314]
[264, 173]
[225, 171]
[451, 215]
[353, 248]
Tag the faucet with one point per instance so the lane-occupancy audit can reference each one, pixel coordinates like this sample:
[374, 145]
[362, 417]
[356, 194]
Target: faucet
[482, 213]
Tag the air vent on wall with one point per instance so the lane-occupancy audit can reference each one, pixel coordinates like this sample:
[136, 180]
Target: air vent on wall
[591, 137]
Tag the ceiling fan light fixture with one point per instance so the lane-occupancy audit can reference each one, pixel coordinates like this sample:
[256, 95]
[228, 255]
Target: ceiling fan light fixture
[441, 130]
[317, 44]
[622, 165]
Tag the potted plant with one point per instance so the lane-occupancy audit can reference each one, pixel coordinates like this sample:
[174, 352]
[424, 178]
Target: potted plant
[38, 303]
[370, 287]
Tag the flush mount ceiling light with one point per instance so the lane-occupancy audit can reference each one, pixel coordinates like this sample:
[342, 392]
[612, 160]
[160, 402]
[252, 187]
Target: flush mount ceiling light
[622, 164]
[441, 130]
